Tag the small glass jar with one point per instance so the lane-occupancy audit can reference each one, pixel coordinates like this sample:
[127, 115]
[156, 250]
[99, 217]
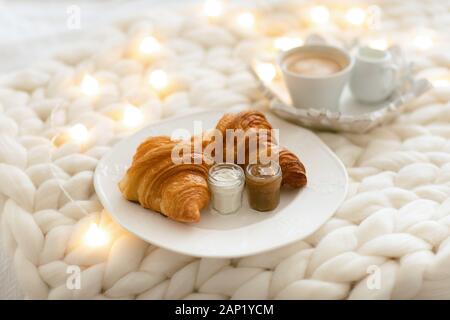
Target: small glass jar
[263, 185]
[226, 182]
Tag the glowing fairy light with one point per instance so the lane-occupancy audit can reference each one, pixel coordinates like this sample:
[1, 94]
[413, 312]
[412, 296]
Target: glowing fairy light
[149, 45]
[246, 20]
[95, 236]
[319, 15]
[423, 40]
[266, 71]
[132, 116]
[379, 44]
[441, 83]
[356, 16]
[213, 8]
[89, 86]
[79, 133]
[158, 79]
[286, 43]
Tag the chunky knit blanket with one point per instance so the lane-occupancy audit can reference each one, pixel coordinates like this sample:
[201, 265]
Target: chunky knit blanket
[390, 239]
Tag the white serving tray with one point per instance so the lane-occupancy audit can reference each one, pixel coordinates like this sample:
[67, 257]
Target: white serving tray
[300, 213]
[353, 116]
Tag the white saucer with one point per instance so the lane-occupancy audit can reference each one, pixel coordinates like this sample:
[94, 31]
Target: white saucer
[300, 213]
[352, 116]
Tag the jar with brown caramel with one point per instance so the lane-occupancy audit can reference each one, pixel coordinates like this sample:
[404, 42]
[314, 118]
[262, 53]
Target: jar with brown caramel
[263, 185]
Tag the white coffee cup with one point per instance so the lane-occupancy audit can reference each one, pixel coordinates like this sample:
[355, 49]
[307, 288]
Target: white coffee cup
[375, 75]
[318, 92]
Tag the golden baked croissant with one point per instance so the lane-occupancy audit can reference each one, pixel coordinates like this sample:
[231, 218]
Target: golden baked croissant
[294, 173]
[179, 191]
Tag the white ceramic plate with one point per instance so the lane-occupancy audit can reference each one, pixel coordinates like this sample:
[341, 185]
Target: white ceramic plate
[300, 213]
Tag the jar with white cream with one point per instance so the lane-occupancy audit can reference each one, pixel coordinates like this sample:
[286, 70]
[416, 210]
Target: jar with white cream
[226, 183]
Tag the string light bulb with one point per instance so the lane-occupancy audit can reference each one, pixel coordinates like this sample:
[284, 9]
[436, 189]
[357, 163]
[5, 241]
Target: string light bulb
[213, 8]
[423, 40]
[246, 20]
[319, 15]
[379, 44]
[149, 45]
[441, 83]
[90, 86]
[132, 116]
[266, 71]
[286, 43]
[356, 16]
[158, 79]
[79, 133]
[95, 236]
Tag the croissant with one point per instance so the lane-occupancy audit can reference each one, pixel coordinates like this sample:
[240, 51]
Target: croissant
[155, 181]
[293, 171]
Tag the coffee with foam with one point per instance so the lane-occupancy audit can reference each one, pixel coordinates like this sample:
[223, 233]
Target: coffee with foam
[312, 66]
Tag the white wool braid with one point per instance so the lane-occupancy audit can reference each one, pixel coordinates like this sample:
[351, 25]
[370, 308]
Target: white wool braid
[396, 216]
